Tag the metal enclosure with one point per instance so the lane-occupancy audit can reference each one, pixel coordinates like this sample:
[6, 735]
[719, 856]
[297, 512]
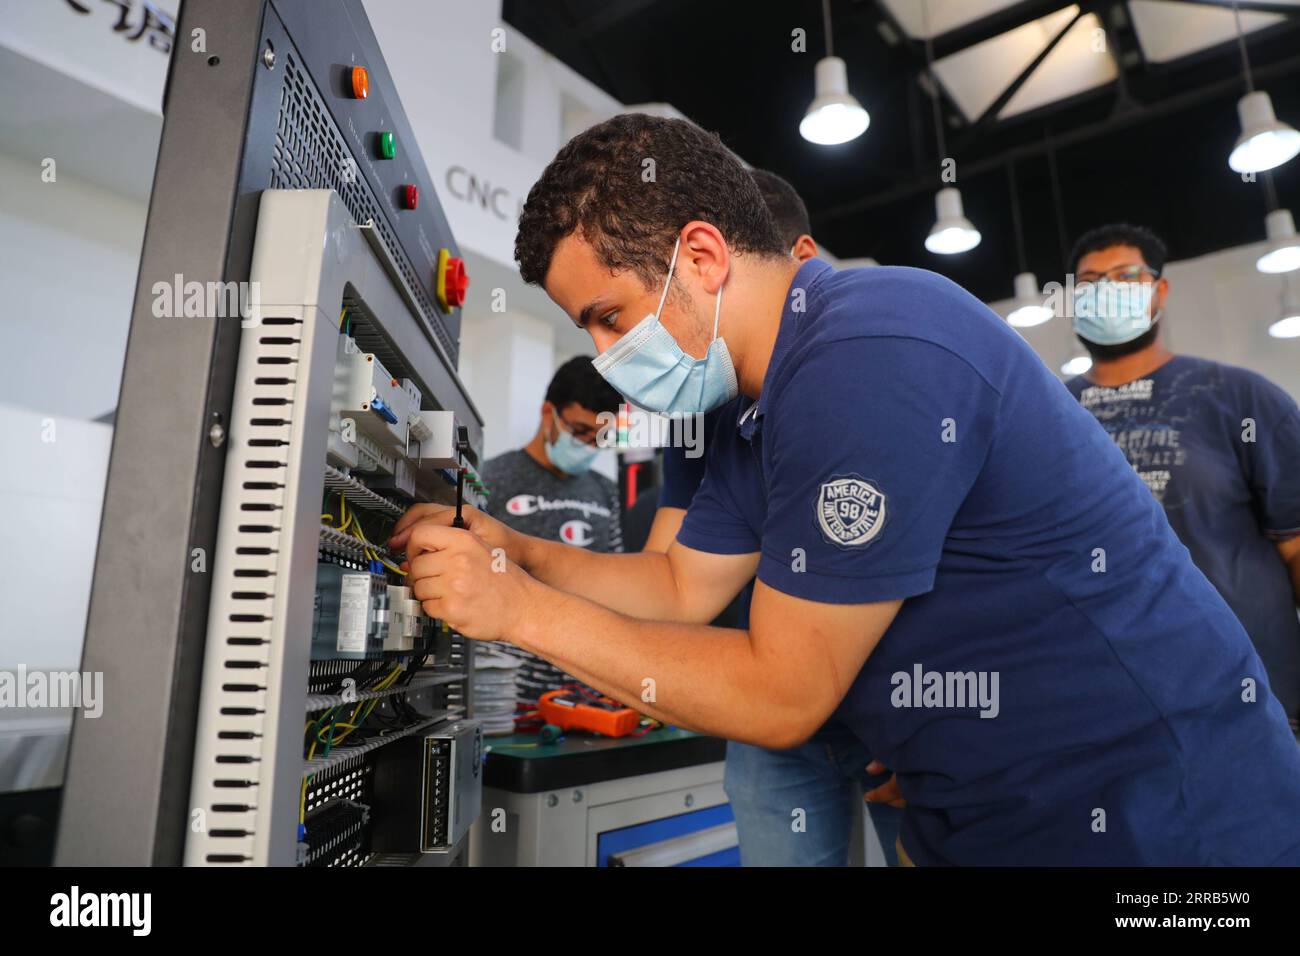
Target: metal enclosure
[264, 106]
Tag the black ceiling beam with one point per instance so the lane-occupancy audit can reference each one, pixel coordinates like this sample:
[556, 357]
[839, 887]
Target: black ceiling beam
[977, 31]
[612, 15]
[990, 115]
[1144, 113]
[1246, 6]
[1124, 101]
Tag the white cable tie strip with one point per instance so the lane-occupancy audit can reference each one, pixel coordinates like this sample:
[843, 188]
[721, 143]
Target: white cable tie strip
[332, 537]
[321, 764]
[326, 701]
[357, 493]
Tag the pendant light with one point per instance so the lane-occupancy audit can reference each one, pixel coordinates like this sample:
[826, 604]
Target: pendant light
[1029, 309]
[1283, 254]
[952, 232]
[1078, 361]
[1265, 141]
[834, 116]
[1288, 324]
[1077, 364]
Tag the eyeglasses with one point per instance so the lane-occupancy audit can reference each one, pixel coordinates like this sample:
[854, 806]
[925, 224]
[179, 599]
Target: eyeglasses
[583, 433]
[1126, 273]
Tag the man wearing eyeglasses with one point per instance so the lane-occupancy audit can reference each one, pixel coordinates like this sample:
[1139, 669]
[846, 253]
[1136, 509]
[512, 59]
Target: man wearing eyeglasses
[547, 488]
[1218, 446]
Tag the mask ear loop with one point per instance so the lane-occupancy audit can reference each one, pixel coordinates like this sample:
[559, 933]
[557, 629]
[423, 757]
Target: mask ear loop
[672, 264]
[717, 313]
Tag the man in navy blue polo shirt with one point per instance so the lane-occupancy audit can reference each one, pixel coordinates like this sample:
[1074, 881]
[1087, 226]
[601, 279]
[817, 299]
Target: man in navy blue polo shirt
[793, 807]
[948, 548]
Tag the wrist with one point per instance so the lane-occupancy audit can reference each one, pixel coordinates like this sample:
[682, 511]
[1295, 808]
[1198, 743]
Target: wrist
[526, 612]
[522, 550]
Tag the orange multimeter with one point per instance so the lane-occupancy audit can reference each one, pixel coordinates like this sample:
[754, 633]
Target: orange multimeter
[570, 710]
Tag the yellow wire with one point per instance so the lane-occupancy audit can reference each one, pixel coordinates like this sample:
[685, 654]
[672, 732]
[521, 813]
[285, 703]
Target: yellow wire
[350, 519]
[352, 723]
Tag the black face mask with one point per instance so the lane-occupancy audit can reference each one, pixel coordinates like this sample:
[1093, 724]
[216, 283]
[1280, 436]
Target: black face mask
[1107, 353]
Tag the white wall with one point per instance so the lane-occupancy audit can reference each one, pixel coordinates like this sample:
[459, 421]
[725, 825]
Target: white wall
[513, 348]
[451, 101]
[70, 251]
[1219, 308]
[51, 497]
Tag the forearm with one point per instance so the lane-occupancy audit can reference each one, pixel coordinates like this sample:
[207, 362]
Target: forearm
[1289, 550]
[708, 679]
[637, 584]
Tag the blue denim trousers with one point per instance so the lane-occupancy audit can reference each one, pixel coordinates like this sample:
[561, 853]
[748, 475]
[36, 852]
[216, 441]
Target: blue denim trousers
[796, 807]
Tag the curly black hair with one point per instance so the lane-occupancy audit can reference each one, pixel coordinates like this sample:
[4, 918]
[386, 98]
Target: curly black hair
[630, 184]
[578, 381]
[1152, 247]
[784, 203]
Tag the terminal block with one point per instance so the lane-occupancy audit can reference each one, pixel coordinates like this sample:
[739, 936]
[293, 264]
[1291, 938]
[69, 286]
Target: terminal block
[351, 598]
[404, 620]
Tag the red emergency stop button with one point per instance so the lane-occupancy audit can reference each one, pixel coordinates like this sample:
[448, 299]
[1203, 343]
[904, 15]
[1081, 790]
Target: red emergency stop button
[359, 79]
[452, 282]
[410, 196]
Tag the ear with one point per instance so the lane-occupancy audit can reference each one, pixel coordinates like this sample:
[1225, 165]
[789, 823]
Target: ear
[804, 248]
[1162, 293]
[547, 416]
[704, 254]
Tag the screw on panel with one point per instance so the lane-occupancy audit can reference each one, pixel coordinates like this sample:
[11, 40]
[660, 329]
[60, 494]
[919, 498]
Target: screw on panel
[216, 435]
[552, 800]
[577, 796]
[690, 800]
[268, 58]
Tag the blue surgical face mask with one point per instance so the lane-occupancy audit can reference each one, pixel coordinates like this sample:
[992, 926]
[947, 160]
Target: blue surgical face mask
[1112, 313]
[566, 453]
[648, 366]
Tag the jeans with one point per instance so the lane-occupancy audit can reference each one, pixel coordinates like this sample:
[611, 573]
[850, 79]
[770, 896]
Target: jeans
[796, 807]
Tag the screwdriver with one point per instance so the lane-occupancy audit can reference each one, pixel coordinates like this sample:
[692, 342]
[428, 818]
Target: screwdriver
[459, 521]
[462, 445]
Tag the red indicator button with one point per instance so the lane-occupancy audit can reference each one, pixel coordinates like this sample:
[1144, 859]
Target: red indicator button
[360, 82]
[410, 196]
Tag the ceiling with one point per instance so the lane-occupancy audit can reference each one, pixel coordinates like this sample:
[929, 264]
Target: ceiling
[1133, 101]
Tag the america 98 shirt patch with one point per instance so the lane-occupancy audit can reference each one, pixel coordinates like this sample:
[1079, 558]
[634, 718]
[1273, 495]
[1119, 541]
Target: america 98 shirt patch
[850, 510]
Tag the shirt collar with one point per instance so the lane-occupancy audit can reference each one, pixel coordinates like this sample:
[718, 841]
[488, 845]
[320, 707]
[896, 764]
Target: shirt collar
[809, 274]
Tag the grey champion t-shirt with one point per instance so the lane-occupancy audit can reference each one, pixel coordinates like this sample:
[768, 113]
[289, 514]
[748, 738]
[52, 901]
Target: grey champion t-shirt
[581, 510]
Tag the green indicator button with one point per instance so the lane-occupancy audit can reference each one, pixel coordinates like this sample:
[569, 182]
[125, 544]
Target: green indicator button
[387, 145]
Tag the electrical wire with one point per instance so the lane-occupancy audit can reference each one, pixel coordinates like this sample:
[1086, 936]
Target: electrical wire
[934, 79]
[352, 526]
[1241, 45]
